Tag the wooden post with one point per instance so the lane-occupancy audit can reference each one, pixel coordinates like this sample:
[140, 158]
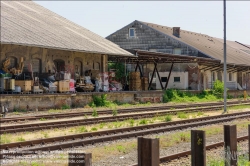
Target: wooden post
[80, 159]
[169, 74]
[198, 148]
[230, 139]
[148, 152]
[249, 141]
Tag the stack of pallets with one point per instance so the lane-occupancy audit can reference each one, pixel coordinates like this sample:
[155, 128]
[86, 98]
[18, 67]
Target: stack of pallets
[134, 81]
[144, 83]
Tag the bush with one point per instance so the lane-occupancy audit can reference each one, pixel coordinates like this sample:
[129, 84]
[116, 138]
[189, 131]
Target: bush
[101, 101]
[218, 88]
[64, 107]
[168, 118]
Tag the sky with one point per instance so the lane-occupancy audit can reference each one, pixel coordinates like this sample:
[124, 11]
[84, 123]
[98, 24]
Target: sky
[106, 17]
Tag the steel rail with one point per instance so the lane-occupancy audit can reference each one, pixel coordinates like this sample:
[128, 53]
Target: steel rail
[116, 134]
[140, 109]
[70, 123]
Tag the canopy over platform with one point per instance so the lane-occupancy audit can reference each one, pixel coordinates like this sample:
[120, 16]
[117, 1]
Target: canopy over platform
[146, 57]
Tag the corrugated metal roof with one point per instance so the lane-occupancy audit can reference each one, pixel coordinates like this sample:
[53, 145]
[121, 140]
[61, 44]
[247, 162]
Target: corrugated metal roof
[27, 23]
[206, 44]
[237, 45]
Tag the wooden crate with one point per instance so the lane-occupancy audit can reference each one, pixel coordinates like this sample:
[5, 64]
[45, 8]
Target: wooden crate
[24, 84]
[63, 86]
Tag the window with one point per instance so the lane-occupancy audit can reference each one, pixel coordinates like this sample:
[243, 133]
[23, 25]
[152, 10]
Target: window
[177, 79]
[230, 77]
[164, 79]
[131, 32]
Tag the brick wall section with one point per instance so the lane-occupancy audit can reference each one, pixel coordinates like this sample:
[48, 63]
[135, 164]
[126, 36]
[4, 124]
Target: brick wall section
[47, 56]
[51, 101]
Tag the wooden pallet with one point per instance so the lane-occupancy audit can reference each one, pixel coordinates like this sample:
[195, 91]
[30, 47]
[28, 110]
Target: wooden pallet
[26, 92]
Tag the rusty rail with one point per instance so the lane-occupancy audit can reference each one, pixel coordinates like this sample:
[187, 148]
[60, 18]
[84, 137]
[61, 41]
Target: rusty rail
[141, 109]
[69, 123]
[116, 134]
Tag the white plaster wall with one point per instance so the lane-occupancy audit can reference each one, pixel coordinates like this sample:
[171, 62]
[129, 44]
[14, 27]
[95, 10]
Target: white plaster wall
[230, 84]
[183, 84]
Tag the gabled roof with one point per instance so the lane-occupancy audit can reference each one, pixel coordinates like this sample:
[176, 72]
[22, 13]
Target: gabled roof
[27, 23]
[208, 45]
[237, 45]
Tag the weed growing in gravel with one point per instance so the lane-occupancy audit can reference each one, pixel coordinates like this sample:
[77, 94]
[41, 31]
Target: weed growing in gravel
[93, 129]
[185, 137]
[53, 111]
[20, 139]
[117, 124]
[131, 122]
[95, 113]
[121, 148]
[101, 125]
[168, 118]
[143, 121]
[182, 115]
[81, 129]
[43, 119]
[114, 111]
[4, 139]
[200, 113]
[45, 134]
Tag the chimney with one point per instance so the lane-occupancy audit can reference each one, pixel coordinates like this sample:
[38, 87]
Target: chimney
[176, 31]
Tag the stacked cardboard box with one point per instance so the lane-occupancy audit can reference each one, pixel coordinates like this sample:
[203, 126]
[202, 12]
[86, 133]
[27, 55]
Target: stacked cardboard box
[134, 81]
[144, 83]
[63, 86]
[24, 84]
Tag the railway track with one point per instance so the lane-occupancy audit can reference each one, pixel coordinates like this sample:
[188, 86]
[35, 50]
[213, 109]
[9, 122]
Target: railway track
[141, 109]
[187, 153]
[71, 141]
[70, 123]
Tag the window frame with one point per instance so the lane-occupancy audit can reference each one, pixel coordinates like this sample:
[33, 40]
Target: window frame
[165, 78]
[129, 32]
[179, 79]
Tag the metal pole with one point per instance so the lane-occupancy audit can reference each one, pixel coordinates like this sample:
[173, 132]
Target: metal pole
[225, 61]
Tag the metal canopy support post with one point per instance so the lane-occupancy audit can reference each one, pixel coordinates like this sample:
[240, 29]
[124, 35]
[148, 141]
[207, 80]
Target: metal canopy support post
[158, 76]
[151, 79]
[137, 64]
[169, 74]
[140, 69]
[225, 61]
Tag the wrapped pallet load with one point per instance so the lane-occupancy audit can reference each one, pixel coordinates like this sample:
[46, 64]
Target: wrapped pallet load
[144, 83]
